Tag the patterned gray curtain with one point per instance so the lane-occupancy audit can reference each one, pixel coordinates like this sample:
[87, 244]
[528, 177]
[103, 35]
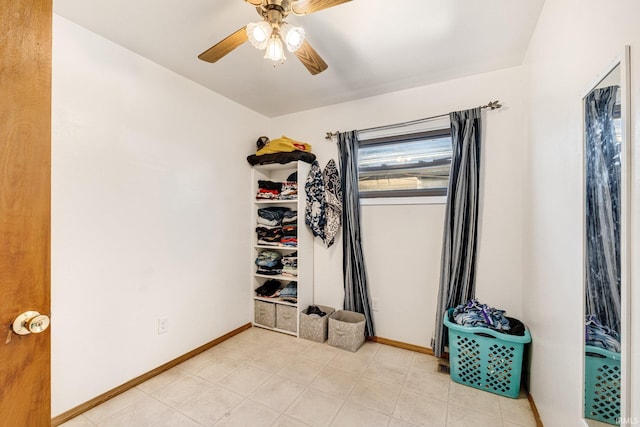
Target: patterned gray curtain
[356, 289]
[458, 264]
[602, 174]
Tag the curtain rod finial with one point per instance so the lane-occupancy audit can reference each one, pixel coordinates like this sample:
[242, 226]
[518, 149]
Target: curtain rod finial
[330, 135]
[493, 105]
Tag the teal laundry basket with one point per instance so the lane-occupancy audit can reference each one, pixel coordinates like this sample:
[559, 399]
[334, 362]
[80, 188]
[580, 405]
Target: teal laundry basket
[602, 385]
[486, 359]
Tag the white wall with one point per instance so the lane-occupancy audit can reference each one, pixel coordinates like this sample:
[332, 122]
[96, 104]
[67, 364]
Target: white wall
[150, 193]
[575, 42]
[402, 244]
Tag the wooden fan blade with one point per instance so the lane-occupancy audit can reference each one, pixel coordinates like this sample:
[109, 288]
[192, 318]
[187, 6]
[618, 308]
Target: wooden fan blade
[310, 58]
[254, 2]
[304, 7]
[224, 46]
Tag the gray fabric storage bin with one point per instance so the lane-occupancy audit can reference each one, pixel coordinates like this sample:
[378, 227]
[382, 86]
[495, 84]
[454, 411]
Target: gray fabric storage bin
[346, 329]
[265, 314]
[286, 318]
[315, 328]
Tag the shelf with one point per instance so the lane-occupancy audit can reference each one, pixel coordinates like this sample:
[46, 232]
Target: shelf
[291, 248]
[276, 202]
[277, 277]
[303, 249]
[275, 301]
[284, 331]
[277, 166]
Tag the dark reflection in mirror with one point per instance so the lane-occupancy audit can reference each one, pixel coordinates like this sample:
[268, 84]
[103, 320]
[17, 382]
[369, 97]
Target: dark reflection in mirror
[603, 272]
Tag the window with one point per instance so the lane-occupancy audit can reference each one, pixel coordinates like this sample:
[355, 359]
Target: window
[409, 165]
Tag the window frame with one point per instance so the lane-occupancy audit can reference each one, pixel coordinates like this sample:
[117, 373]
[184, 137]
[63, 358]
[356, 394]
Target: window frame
[400, 138]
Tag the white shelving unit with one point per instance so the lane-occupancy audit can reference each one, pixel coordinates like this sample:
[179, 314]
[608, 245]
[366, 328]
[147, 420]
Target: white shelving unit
[273, 313]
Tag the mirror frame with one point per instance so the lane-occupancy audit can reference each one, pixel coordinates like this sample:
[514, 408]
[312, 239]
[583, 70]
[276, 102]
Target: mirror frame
[622, 61]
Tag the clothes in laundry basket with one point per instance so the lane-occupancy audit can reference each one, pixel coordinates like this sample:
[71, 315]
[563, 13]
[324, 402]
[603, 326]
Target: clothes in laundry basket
[599, 335]
[473, 313]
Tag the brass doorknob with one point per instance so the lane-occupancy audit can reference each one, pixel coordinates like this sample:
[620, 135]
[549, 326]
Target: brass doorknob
[30, 322]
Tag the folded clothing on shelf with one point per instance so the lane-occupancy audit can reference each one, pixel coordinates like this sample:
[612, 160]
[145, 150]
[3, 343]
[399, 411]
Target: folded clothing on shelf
[273, 289]
[289, 292]
[270, 288]
[289, 190]
[272, 215]
[277, 226]
[290, 217]
[290, 265]
[268, 235]
[268, 258]
[269, 262]
[290, 229]
[289, 241]
[269, 190]
[273, 190]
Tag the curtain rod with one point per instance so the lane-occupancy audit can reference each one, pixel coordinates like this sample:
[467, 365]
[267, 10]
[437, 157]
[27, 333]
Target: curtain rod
[492, 105]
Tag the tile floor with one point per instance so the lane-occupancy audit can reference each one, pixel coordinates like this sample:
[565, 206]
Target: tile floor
[264, 378]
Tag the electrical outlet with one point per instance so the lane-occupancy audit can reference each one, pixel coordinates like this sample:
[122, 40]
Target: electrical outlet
[163, 325]
[375, 304]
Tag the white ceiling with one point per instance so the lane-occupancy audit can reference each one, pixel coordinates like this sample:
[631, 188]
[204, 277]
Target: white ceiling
[371, 46]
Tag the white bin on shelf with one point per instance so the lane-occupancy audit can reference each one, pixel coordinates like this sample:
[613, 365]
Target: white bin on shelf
[286, 318]
[265, 314]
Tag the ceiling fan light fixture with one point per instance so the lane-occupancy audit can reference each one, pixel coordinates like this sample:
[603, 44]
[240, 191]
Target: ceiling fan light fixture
[259, 34]
[293, 36]
[274, 50]
[273, 32]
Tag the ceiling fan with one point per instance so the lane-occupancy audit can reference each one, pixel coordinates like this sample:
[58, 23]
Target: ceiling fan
[273, 33]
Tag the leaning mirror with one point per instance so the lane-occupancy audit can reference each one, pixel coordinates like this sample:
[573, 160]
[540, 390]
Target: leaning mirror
[605, 255]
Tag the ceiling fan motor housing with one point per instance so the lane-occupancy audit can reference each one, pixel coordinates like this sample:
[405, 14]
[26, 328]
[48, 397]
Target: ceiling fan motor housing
[285, 5]
[274, 11]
